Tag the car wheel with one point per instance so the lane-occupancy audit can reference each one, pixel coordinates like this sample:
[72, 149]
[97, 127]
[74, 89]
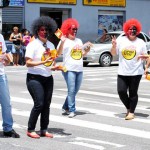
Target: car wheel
[105, 60]
[85, 64]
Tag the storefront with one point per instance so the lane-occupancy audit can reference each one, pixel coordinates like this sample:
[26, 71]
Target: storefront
[12, 16]
[93, 15]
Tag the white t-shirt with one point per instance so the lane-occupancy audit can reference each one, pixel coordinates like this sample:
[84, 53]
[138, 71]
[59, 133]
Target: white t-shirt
[72, 58]
[2, 42]
[128, 53]
[35, 51]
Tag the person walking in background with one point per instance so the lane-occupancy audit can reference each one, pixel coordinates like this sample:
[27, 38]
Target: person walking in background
[130, 70]
[8, 131]
[16, 38]
[73, 51]
[39, 76]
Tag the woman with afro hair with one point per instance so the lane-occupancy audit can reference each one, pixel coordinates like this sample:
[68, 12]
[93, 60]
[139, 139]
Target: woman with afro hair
[39, 76]
[130, 69]
[73, 52]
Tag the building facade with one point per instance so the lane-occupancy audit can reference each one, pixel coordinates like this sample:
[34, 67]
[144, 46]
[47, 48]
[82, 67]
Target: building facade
[91, 16]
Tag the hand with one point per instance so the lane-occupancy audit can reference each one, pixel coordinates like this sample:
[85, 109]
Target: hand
[146, 71]
[63, 38]
[48, 60]
[143, 57]
[57, 67]
[87, 46]
[114, 43]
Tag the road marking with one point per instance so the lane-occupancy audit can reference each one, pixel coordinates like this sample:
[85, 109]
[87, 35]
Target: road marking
[89, 110]
[91, 125]
[15, 125]
[88, 145]
[93, 79]
[104, 94]
[83, 142]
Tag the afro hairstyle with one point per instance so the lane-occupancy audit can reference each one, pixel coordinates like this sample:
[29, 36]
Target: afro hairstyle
[45, 21]
[132, 22]
[66, 25]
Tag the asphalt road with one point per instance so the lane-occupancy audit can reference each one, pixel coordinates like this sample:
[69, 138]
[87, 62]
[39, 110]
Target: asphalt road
[99, 124]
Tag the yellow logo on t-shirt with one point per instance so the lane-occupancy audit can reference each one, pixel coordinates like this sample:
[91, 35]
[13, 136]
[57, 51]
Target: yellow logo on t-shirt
[76, 54]
[129, 53]
[46, 55]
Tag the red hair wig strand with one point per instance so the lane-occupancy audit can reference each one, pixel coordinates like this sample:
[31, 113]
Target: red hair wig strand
[66, 25]
[132, 22]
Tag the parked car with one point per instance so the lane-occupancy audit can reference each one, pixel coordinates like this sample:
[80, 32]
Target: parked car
[100, 52]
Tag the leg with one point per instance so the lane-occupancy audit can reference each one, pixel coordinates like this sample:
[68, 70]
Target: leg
[122, 86]
[37, 92]
[17, 59]
[5, 103]
[78, 81]
[133, 89]
[65, 105]
[48, 91]
[71, 85]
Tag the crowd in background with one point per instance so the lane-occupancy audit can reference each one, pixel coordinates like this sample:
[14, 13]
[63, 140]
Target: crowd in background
[20, 40]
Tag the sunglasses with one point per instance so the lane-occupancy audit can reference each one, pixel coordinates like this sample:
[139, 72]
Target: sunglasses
[74, 29]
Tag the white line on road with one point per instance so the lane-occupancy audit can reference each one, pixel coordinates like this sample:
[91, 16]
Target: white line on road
[104, 94]
[91, 125]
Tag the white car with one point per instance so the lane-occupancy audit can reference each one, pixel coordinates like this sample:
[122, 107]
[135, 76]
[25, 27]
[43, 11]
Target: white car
[100, 52]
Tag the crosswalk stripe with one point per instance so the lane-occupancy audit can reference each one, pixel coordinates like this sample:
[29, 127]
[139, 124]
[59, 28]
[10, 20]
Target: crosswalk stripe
[88, 145]
[98, 141]
[89, 110]
[104, 94]
[91, 125]
[15, 125]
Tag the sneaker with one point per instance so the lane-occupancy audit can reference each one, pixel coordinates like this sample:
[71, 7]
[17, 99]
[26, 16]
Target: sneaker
[71, 115]
[65, 112]
[11, 133]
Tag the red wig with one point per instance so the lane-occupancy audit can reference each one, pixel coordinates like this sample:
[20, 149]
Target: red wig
[66, 25]
[132, 22]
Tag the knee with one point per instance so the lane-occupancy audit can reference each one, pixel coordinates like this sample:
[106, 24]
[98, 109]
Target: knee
[38, 106]
[71, 92]
[122, 93]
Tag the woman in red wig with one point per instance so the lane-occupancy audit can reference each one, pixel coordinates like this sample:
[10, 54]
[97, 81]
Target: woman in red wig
[73, 52]
[130, 70]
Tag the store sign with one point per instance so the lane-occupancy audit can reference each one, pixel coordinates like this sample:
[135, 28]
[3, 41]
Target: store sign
[119, 3]
[69, 2]
[16, 3]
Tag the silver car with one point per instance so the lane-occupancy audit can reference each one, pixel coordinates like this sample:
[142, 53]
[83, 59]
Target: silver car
[100, 52]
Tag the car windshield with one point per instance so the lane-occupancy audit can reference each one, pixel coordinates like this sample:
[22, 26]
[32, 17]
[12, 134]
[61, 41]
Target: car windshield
[107, 39]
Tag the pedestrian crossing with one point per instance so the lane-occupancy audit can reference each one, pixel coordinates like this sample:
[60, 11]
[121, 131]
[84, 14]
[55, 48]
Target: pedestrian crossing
[103, 115]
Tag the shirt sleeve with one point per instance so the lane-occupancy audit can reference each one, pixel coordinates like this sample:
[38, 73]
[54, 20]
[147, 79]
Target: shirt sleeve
[144, 49]
[30, 50]
[3, 43]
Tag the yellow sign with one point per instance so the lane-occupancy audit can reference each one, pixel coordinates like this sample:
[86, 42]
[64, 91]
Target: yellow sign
[119, 3]
[70, 2]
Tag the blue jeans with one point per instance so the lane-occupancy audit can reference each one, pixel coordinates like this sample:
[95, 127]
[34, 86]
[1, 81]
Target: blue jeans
[41, 89]
[73, 80]
[5, 104]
